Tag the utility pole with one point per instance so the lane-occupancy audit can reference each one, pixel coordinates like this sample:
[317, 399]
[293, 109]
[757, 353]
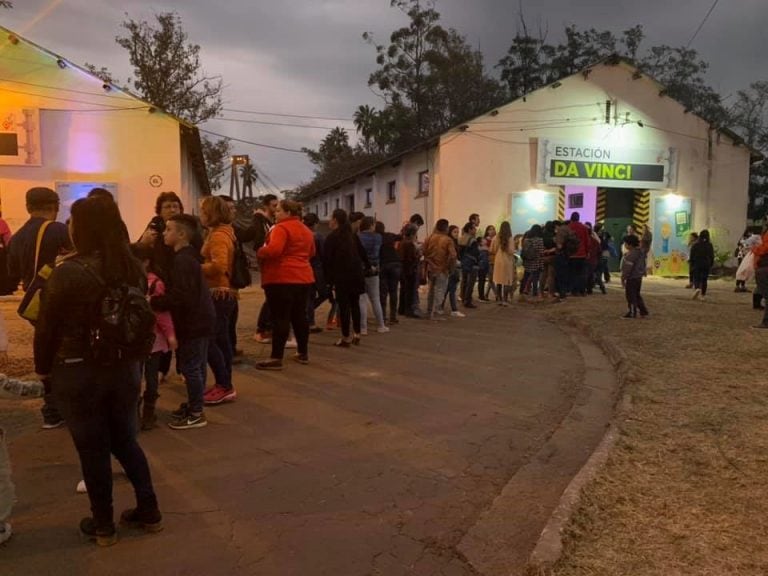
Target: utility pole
[243, 162]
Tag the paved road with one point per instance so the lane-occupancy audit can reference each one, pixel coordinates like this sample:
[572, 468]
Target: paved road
[370, 461]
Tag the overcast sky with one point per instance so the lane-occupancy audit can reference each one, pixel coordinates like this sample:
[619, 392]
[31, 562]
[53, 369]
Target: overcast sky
[307, 57]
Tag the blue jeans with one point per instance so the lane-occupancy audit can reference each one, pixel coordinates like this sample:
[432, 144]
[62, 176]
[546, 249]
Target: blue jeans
[389, 278]
[192, 355]
[220, 350]
[372, 294]
[453, 284]
[151, 373]
[99, 405]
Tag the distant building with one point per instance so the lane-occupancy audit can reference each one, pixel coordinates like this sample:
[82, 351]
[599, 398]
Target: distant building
[64, 128]
[605, 142]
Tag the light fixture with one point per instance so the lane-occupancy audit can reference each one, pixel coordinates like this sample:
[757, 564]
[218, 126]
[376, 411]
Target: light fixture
[152, 110]
[61, 63]
[636, 75]
[494, 113]
[13, 39]
[586, 73]
[464, 127]
[106, 87]
[556, 85]
[640, 123]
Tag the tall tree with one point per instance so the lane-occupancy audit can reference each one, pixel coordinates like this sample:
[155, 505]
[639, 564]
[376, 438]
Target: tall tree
[334, 149]
[749, 117]
[168, 73]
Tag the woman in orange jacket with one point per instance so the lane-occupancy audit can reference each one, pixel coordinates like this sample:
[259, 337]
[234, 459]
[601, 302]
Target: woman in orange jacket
[287, 276]
[218, 254]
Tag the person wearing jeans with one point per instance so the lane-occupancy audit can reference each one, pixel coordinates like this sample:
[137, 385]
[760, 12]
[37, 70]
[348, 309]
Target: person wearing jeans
[286, 276]
[390, 270]
[440, 255]
[372, 244]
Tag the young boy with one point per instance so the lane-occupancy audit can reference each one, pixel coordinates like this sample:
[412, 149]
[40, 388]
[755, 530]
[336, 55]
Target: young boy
[632, 272]
[194, 317]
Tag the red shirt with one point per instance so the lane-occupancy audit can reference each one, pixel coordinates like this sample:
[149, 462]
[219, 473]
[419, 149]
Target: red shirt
[582, 233]
[284, 259]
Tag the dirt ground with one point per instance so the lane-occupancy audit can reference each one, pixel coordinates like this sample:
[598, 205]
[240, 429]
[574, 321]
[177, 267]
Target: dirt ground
[684, 491]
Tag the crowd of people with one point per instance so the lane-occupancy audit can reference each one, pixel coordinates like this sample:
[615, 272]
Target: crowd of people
[188, 271]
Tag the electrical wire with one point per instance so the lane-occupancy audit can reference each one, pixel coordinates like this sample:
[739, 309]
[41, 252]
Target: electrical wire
[106, 106]
[242, 141]
[704, 21]
[263, 122]
[59, 89]
[305, 117]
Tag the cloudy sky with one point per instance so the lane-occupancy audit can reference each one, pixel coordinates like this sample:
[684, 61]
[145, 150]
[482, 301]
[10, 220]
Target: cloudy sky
[307, 57]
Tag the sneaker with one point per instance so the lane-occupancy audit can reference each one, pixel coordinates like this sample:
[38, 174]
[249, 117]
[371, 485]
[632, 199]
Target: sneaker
[457, 314]
[269, 365]
[189, 421]
[5, 532]
[52, 422]
[147, 520]
[103, 536]
[81, 487]
[696, 294]
[263, 338]
[382, 329]
[291, 343]
[217, 395]
[364, 332]
[301, 358]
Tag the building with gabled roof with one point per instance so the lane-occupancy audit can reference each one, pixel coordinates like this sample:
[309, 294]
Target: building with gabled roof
[64, 128]
[606, 142]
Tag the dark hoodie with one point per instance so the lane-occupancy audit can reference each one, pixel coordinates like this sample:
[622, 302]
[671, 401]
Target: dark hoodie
[702, 255]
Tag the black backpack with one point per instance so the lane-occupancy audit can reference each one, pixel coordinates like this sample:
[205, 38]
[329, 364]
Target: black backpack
[123, 323]
[241, 269]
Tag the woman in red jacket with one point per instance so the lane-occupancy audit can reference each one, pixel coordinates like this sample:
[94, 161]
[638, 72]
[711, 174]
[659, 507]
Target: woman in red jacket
[286, 276]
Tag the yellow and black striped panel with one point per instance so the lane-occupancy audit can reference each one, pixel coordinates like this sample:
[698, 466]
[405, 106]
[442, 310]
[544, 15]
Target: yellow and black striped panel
[642, 213]
[561, 204]
[600, 213]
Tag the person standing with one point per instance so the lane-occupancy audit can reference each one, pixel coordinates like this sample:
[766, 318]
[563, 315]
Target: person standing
[606, 251]
[693, 237]
[409, 279]
[218, 258]
[389, 272]
[263, 219]
[470, 262]
[96, 393]
[760, 254]
[318, 292]
[38, 243]
[287, 276]
[372, 244]
[533, 262]
[702, 259]
[440, 257]
[490, 233]
[415, 222]
[242, 235]
[453, 278]
[504, 266]
[577, 260]
[632, 273]
[344, 263]
[189, 301]
[6, 286]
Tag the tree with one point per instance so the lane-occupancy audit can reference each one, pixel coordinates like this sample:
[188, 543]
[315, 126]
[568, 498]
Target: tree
[749, 117]
[169, 75]
[334, 149]
[101, 73]
[6, 4]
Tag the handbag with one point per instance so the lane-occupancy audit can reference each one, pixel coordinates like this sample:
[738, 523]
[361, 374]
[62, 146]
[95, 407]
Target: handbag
[29, 308]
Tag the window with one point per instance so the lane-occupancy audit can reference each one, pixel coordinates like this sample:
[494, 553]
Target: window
[317, 208]
[391, 191]
[325, 208]
[423, 183]
[368, 197]
[351, 203]
[338, 203]
[576, 201]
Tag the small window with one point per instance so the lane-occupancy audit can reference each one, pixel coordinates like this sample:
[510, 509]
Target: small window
[391, 191]
[351, 203]
[576, 201]
[338, 203]
[424, 183]
[325, 208]
[368, 197]
[317, 208]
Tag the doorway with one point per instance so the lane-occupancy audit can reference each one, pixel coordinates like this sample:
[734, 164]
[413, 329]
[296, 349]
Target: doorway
[619, 213]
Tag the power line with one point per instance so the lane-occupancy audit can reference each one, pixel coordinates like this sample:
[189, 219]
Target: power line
[264, 122]
[106, 106]
[332, 118]
[702, 24]
[260, 145]
[59, 89]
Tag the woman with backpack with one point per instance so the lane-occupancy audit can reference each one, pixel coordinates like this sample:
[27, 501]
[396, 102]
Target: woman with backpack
[96, 382]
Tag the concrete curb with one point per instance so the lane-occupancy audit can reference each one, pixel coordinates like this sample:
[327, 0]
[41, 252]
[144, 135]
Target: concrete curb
[549, 547]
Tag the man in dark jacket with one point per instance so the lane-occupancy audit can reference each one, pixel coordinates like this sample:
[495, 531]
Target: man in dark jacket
[194, 317]
[701, 260]
[263, 220]
[43, 207]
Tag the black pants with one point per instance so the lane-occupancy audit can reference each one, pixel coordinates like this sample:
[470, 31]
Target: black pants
[264, 323]
[288, 308]
[389, 279]
[349, 306]
[468, 279]
[407, 289]
[233, 326]
[700, 277]
[577, 275]
[99, 405]
[482, 277]
[634, 298]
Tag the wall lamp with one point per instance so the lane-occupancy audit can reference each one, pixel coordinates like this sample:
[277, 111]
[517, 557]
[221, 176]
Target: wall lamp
[106, 87]
[13, 39]
[556, 85]
[61, 64]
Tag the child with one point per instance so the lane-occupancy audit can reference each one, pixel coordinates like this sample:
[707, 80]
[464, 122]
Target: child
[632, 272]
[165, 341]
[194, 318]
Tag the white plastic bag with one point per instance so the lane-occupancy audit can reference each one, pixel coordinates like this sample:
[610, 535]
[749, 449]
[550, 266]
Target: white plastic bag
[746, 270]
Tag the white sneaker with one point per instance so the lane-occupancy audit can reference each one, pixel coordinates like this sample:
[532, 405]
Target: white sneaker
[5, 532]
[696, 294]
[457, 314]
[364, 332]
[81, 488]
[382, 330]
[291, 343]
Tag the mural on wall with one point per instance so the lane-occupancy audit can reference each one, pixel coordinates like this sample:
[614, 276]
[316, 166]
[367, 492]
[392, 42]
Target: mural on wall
[671, 228]
[19, 137]
[532, 207]
[70, 191]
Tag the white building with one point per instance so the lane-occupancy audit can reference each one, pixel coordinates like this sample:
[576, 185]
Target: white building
[606, 142]
[64, 128]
